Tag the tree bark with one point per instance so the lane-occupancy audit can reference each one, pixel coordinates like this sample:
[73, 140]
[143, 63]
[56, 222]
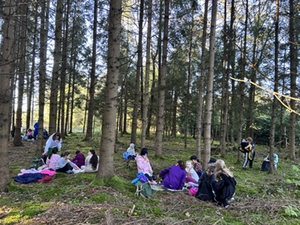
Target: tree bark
[21, 72]
[137, 93]
[89, 129]
[224, 102]
[146, 81]
[42, 72]
[293, 75]
[56, 68]
[162, 83]
[6, 72]
[209, 91]
[107, 145]
[201, 82]
[275, 101]
[240, 110]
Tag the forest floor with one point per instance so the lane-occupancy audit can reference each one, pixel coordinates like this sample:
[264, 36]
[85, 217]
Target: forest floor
[261, 198]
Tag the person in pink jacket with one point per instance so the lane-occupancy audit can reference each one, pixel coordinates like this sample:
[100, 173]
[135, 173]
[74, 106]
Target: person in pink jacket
[52, 159]
[143, 164]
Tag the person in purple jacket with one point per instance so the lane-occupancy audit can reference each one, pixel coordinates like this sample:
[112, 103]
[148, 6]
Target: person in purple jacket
[174, 176]
[78, 159]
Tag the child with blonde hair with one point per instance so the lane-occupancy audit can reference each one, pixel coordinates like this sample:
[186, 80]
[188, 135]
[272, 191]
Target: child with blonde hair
[224, 186]
[192, 177]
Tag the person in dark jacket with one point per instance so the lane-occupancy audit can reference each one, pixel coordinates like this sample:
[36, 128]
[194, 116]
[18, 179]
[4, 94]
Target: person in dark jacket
[224, 186]
[174, 176]
[205, 189]
[78, 159]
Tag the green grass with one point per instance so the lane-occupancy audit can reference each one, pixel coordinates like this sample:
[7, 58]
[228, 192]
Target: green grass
[261, 198]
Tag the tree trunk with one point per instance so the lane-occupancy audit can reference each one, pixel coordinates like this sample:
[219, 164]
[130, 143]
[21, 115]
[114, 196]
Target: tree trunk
[64, 72]
[225, 67]
[89, 129]
[275, 101]
[240, 110]
[293, 75]
[42, 72]
[22, 69]
[138, 75]
[209, 91]
[152, 91]
[30, 85]
[231, 60]
[56, 68]
[201, 82]
[6, 72]
[146, 89]
[189, 79]
[162, 83]
[107, 145]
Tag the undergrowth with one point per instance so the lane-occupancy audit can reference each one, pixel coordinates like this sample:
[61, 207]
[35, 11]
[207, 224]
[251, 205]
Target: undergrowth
[261, 198]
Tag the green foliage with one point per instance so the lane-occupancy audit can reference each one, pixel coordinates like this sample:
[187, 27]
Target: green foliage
[101, 197]
[14, 188]
[115, 196]
[292, 211]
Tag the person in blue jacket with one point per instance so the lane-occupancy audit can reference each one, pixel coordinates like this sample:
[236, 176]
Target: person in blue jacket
[36, 129]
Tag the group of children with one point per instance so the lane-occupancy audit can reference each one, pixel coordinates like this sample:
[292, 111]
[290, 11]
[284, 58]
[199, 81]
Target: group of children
[64, 163]
[215, 184]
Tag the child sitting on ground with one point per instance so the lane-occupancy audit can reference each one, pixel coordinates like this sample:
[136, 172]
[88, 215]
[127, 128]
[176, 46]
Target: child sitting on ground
[78, 159]
[205, 190]
[224, 186]
[197, 165]
[192, 177]
[52, 159]
[91, 162]
[174, 176]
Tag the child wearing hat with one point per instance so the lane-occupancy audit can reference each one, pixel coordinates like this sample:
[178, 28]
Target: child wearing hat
[131, 152]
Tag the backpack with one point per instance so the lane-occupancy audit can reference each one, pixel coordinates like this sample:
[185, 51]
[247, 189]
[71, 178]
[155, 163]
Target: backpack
[143, 189]
[36, 162]
[265, 166]
[125, 155]
[242, 146]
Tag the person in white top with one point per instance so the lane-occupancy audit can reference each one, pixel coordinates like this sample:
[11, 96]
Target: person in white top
[54, 140]
[191, 174]
[91, 162]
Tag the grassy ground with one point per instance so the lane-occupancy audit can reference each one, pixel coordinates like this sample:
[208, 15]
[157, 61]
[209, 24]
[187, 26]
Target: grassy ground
[260, 198]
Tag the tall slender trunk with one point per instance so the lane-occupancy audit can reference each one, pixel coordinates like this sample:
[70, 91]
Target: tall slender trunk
[201, 82]
[21, 72]
[241, 90]
[224, 107]
[32, 72]
[293, 75]
[146, 90]
[89, 129]
[42, 72]
[275, 101]
[209, 91]
[189, 79]
[64, 72]
[162, 83]
[137, 92]
[56, 68]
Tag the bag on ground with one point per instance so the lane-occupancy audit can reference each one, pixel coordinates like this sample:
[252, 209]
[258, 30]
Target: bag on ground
[37, 162]
[143, 189]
